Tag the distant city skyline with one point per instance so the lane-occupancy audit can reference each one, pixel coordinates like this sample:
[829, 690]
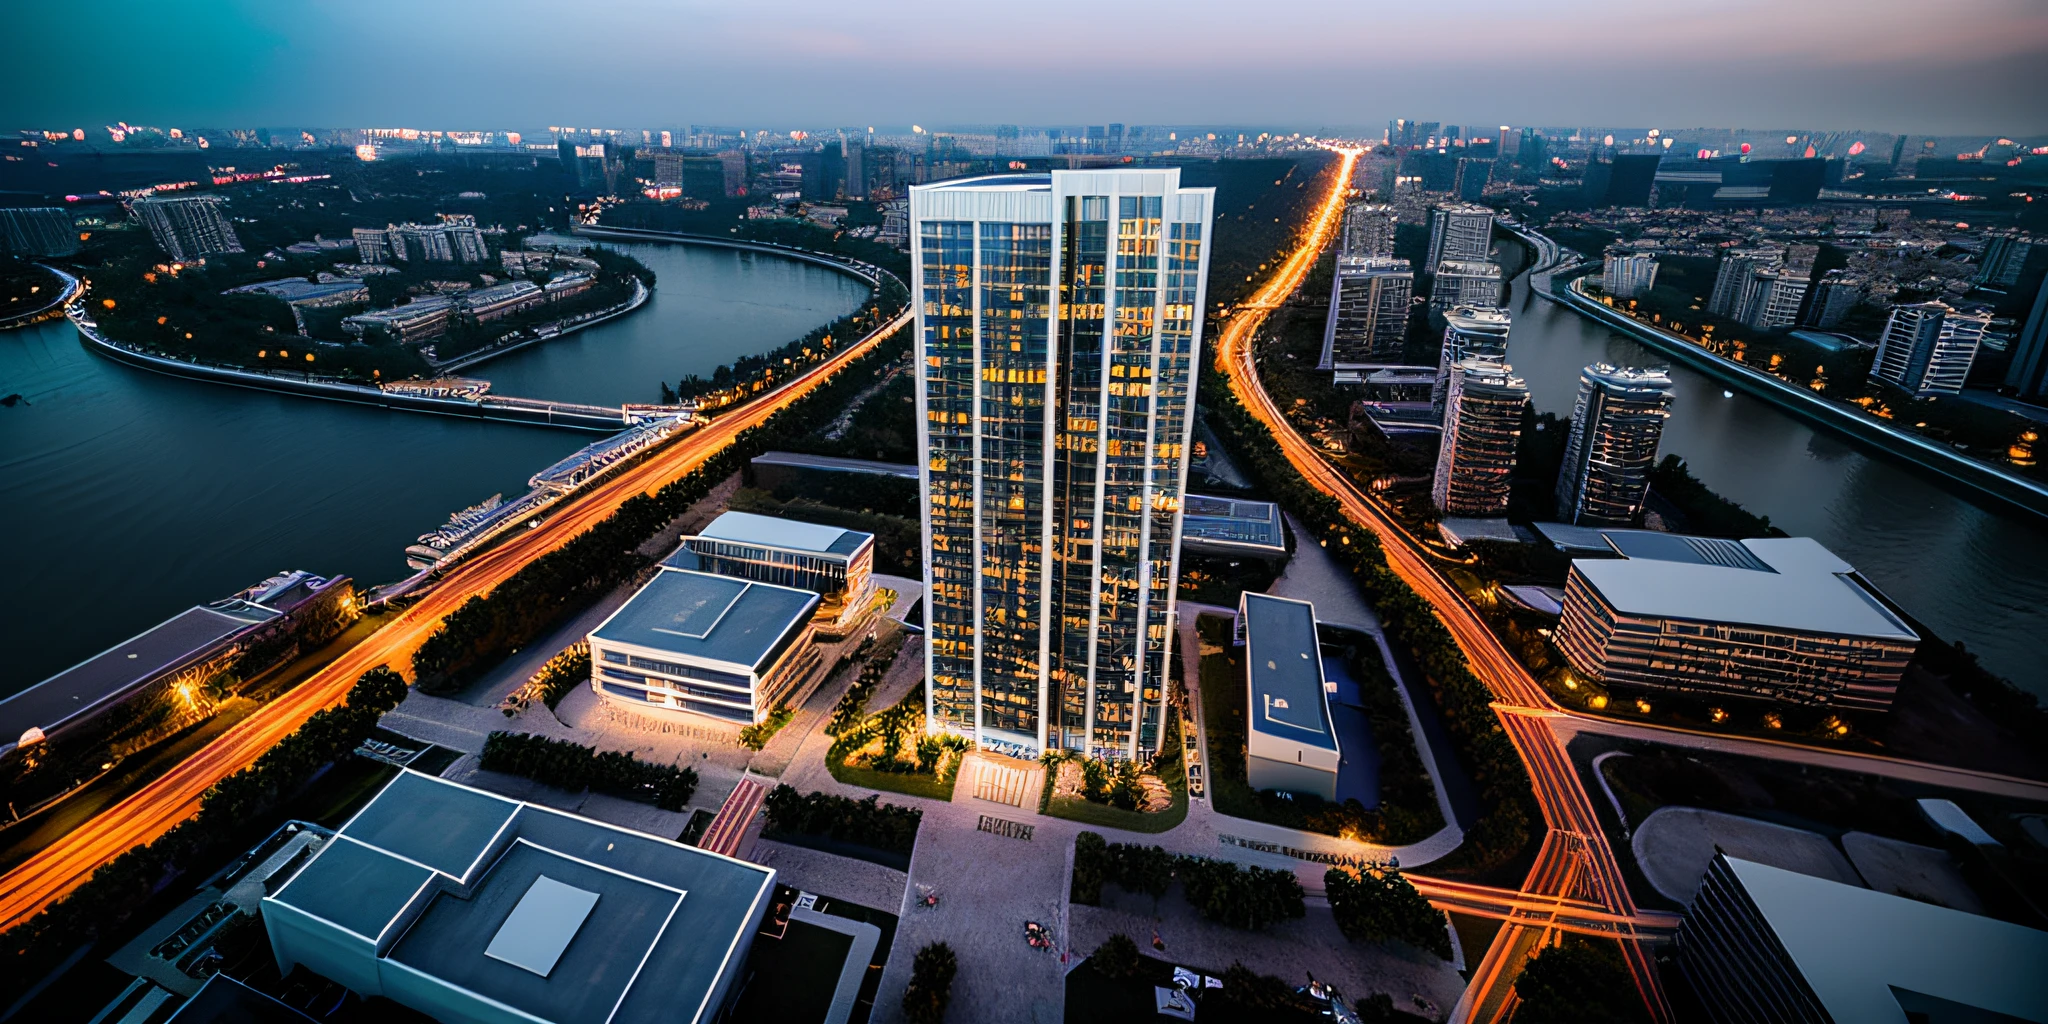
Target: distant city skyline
[1879, 66]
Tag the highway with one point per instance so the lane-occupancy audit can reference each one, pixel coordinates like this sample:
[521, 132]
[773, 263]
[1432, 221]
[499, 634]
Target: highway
[1575, 860]
[175, 796]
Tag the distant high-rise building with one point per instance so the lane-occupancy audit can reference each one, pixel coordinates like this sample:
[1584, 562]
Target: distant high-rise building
[37, 231]
[1927, 348]
[1368, 318]
[187, 227]
[1368, 230]
[1626, 275]
[1482, 431]
[1465, 283]
[2028, 374]
[1736, 276]
[1616, 425]
[732, 165]
[1836, 294]
[1470, 183]
[1620, 179]
[1056, 387]
[371, 246]
[1460, 231]
[853, 149]
[2005, 253]
[1470, 332]
[668, 168]
[1774, 294]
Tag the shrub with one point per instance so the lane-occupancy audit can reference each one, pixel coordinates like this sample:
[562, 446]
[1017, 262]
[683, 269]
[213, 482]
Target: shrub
[1380, 905]
[882, 826]
[756, 736]
[931, 984]
[1091, 869]
[1145, 869]
[1583, 982]
[1241, 897]
[575, 766]
[1117, 957]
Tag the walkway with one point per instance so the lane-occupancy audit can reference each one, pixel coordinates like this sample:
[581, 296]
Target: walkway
[725, 831]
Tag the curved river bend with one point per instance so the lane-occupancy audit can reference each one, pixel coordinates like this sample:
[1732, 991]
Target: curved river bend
[131, 495]
[1969, 573]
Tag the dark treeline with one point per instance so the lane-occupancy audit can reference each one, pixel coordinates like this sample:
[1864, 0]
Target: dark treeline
[574, 766]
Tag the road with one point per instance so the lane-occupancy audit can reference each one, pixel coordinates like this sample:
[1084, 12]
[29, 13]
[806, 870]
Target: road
[175, 795]
[1575, 859]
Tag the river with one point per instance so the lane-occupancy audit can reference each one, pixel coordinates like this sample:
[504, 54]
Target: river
[131, 495]
[1969, 573]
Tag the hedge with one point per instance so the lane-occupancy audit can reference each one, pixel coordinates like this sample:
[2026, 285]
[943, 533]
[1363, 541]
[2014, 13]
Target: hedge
[484, 630]
[868, 822]
[1502, 782]
[1242, 897]
[574, 766]
[1379, 905]
[229, 813]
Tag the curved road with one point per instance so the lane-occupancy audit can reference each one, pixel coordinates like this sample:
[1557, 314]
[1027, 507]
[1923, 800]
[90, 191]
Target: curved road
[1575, 860]
[174, 796]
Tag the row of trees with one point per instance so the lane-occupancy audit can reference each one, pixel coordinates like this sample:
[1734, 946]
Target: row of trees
[484, 630]
[732, 381]
[1379, 904]
[1227, 893]
[231, 814]
[574, 766]
[1508, 816]
[868, 822]
[931, 984]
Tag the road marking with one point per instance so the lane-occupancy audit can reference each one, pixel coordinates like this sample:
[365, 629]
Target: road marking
[1004, 827]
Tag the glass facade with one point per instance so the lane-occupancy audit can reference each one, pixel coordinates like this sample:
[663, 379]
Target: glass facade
[1058, 323]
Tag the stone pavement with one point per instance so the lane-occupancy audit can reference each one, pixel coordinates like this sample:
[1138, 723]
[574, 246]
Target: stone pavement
[846, 878]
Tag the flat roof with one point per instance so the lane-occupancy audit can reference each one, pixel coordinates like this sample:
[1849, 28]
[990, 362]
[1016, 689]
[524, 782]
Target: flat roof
[115, 672]
[835, 464]
[1854, 946]
[1285, 660]
[663, 929]
[711, 618]
[1230, 522]
[787, 534]
[1793, 584]
[446, 828]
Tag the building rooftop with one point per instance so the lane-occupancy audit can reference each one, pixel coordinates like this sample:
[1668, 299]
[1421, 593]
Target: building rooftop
[557, 917]
[1863, 953]
[787, 534]
[713, 618]
[1789, 583]
[173, 644]
[836, 464]
[1285, 660]
[1227, 524]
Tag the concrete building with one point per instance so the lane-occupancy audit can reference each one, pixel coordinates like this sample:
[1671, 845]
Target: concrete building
[1460, 231]
[2028, 374]
[1465, 283]
[1232, 526]
[1735, 278]
[1778, 619]
[1477, 331]
[1482, 432]
[1835, 296]
[1059, 321]
[36, 231]
[1626, 275]
[1291, 739]
[836, 564]
[2005, 255]
[1368, 230]
[1619, 179]
[1368, 319]
[423, 319]
[475, 909]
[853, 149]
[187, 227]
[371, 245]
[1617, 423]
[1763, 945]
[1774, 296]
[693, 644]
[1927, 349]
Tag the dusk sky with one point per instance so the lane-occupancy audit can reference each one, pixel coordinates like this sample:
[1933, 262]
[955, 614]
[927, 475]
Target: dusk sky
[1956, 66]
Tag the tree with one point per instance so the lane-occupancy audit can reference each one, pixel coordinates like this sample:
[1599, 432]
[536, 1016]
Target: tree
[1580, 982]
[931, 984]
[1117, 957]
[1380, 905]
[1091, 863]
[380, 689]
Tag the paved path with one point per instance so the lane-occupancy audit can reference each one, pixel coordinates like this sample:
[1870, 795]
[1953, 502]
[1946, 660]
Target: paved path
[725, 831]
[1313, 576]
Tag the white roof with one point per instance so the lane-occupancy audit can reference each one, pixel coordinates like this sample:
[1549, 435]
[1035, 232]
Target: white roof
[769, 531]
[1854, 945]
[1804, 588]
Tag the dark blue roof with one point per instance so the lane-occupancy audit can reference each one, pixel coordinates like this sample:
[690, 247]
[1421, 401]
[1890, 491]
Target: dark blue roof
[1285, 660]
[714, 618]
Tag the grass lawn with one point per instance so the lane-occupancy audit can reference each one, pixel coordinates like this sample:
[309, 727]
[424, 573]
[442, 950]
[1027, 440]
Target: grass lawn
[892, 782]
[1111, 816]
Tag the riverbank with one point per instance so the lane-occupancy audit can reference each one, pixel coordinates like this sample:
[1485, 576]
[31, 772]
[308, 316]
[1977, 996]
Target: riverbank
[1984, 481]
[548, 332]
[69, 288]
[867, 272]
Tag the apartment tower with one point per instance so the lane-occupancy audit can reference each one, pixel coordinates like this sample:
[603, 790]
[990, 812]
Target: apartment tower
[1616, 425]
[1475, 465]
[1058, 324]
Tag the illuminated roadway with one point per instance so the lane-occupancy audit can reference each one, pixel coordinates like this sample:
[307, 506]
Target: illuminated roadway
[174, 796]
[1575, 861]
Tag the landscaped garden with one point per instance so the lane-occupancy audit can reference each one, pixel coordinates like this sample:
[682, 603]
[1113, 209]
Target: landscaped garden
[1149, 796]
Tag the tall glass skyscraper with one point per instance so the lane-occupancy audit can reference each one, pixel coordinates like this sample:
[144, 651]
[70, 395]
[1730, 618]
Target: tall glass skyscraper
[1059, 318]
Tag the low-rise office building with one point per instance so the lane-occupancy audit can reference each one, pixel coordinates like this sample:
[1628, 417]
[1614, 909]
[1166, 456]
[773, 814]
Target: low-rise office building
[1291, 740]
[469, 907]
[1231, 526]
[1763, 945]
[712, 647]
[836, 564]
[1779, 619]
